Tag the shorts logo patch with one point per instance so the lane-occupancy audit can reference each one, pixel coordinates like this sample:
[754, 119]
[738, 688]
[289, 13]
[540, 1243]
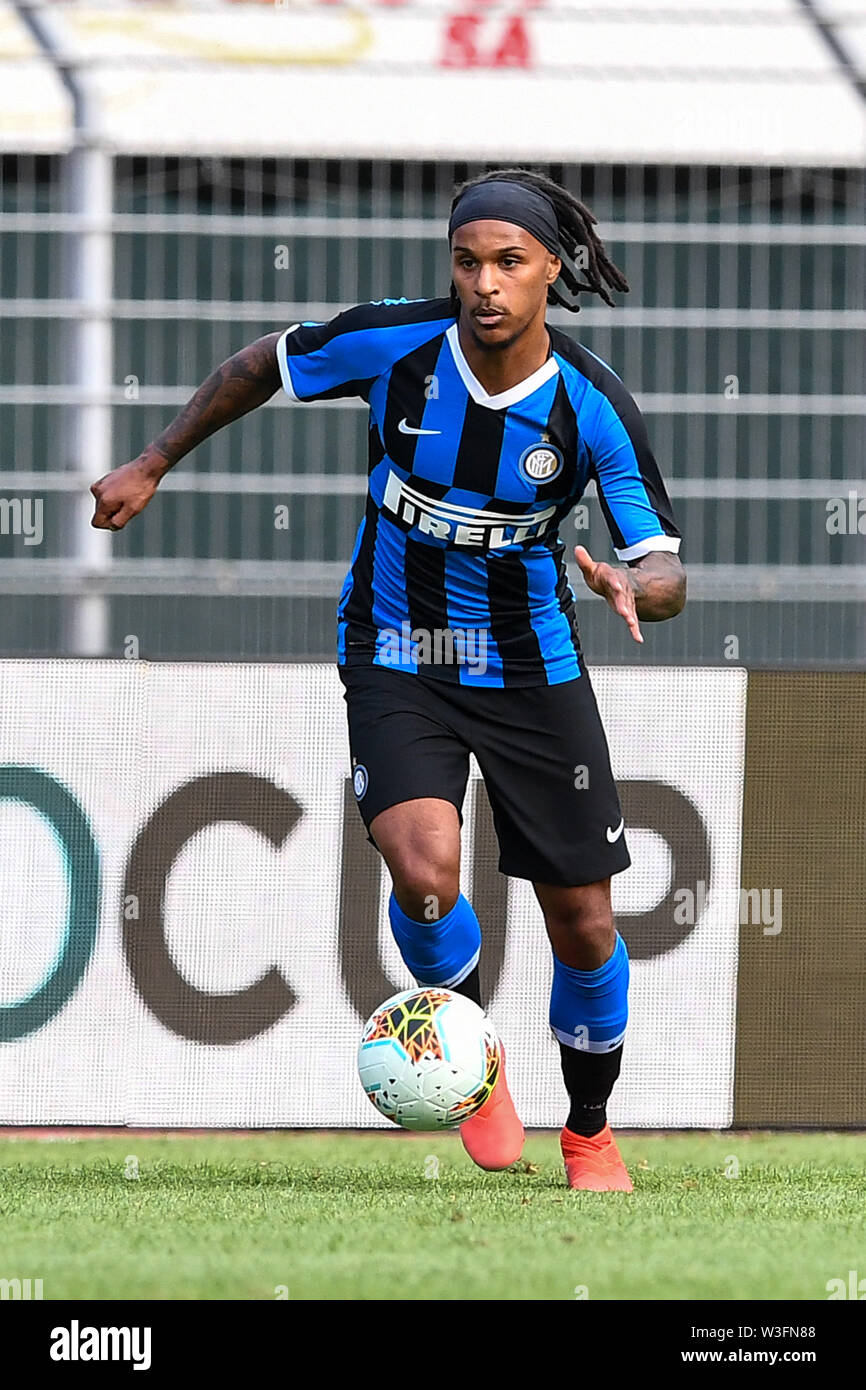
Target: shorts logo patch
[540, 462]
[360, 780]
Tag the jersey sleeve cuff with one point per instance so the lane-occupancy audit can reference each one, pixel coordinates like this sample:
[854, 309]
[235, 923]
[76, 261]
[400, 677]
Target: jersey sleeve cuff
[283, 363]
[647, 546]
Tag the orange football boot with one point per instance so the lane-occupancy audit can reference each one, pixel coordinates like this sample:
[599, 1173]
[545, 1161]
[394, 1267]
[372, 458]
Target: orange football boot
[493, 1138]
[594, 1165]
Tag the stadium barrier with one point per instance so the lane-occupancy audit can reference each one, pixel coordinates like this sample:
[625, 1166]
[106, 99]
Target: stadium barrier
[801, 999]
[196, 925]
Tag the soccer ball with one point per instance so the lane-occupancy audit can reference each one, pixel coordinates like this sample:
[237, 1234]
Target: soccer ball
[429, 1058]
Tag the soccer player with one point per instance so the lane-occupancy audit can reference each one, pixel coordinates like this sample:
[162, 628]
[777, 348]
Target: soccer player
[456, 621]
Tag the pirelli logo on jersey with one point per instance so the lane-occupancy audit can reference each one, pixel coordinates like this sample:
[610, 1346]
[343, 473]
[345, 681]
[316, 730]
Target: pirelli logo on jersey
[463, 526]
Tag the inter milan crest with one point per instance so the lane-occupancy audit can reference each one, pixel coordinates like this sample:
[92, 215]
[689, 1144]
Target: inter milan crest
[540, 462]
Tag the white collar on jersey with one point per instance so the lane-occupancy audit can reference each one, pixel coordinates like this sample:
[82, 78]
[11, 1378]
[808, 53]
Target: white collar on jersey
[504, 398]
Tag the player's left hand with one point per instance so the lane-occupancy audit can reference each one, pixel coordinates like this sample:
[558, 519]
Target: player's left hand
[613, 585]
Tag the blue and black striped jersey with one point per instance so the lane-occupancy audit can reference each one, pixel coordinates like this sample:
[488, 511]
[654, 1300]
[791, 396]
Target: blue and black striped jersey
[466, 491]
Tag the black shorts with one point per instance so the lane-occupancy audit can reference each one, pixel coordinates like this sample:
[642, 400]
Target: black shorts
[542, 752]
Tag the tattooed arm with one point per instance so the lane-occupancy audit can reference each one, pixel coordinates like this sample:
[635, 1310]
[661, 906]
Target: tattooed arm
[245, 381]
[651, 589]
[659, 583]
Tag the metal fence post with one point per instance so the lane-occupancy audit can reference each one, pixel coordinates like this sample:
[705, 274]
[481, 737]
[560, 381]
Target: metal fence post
[89, 195]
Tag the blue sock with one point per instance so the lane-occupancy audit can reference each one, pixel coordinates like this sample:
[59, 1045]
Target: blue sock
[589, 1008]
[441, 952]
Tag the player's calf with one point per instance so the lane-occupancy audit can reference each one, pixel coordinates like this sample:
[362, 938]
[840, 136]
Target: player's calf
[420, 844]
[439, 951]
[588, 1014]
[446, 952]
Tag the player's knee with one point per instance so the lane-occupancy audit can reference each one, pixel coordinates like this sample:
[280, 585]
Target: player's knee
[582, 933]
[426, 882]
[424, 900]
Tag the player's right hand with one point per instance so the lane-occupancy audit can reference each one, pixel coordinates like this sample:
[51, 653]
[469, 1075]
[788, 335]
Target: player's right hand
[122, 494]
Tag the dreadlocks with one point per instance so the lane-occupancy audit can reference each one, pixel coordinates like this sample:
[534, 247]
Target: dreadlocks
[575, 224]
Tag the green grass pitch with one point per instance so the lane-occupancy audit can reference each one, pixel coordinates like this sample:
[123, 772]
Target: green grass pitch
[376, 1216]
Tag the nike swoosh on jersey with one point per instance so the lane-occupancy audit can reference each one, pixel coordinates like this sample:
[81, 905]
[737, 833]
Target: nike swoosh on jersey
[613, 835]
[405, 428]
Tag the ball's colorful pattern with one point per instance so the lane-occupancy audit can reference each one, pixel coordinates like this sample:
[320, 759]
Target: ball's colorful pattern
[429, 1059]
[410, 1021]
